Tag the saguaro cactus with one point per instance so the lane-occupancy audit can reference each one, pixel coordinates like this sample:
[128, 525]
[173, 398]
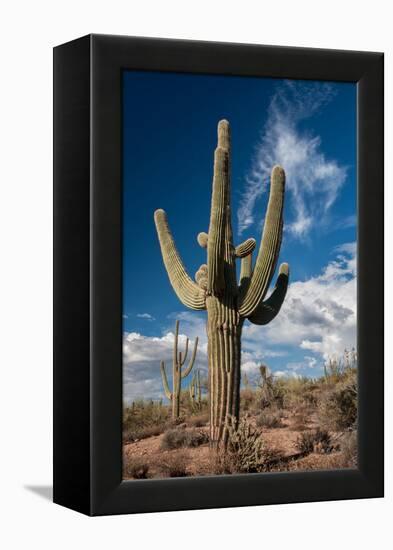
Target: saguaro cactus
[177, 372]
[264, 374]
[216, 289]
[195, 390]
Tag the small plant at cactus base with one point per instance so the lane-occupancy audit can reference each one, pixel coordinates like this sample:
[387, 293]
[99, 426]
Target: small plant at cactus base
[232, 365]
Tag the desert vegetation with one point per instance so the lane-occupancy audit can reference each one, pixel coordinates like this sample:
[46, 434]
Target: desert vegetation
[229, 424]
[284, 424]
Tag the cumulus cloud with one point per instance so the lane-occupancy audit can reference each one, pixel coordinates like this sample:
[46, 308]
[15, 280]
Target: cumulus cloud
[141, 363]
[146, 316]
[318, 315]
[316, 321]
[313, 181]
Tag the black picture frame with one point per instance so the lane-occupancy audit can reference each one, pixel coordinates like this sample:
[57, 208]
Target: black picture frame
[88, 274]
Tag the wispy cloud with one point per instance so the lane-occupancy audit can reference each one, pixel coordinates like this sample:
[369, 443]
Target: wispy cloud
[313, 181]
[146, 316]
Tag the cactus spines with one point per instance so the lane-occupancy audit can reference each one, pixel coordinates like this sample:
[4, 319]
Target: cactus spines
[216, 289]
[178, 373]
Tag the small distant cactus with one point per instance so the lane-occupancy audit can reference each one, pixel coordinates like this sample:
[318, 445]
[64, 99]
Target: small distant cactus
[195, 390]
[177, 372]
[228, 301]
[263, 370]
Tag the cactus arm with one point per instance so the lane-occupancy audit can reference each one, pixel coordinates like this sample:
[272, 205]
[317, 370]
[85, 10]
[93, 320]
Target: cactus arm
[188, 292]
[191, 388]
[203, 239]
[167, 391]
[245, 248]
[175, 342]
[216, 241]
[269, 248]
[245, 273]
[183, 357]
[187, 371]
[263, 371]
[268, 309]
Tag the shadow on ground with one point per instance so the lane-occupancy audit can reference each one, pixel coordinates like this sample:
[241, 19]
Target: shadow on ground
[44, 491]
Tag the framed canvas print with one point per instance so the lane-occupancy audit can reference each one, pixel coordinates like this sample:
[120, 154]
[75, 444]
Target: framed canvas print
[218, 275]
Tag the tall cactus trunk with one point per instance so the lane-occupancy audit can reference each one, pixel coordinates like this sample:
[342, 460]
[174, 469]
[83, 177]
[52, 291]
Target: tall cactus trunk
[176, 391]
[224, 329]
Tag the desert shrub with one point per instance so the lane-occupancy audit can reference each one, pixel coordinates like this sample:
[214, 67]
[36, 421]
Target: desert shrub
[176, 438]
[305, 442]
[198, 420]
[180, 420]
[189, 407]
[271, 393]
[338, 369]
[322, 441]
[174, 465]
[299, 421]
[349, 449]
[299, 392]
[247, 399]
[137, 469]
[288, 393]
[337, 409]
[269, 419]
[143, 419]
[246, 452]
[314, 441]
[137, 433]
[195, 438]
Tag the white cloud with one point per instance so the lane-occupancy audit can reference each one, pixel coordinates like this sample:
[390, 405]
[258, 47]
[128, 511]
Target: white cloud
[319, 314]
[146, 316]
[141, 363]
[313, 181]
[286, 374]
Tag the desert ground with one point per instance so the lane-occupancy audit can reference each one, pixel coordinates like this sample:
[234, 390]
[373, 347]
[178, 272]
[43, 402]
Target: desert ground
[285, 424]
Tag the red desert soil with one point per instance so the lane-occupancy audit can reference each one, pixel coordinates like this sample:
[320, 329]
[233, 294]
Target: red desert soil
[199, 459]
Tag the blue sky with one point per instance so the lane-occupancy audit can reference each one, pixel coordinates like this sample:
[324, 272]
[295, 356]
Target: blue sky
[169, 137]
